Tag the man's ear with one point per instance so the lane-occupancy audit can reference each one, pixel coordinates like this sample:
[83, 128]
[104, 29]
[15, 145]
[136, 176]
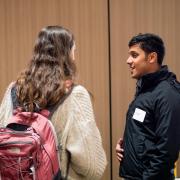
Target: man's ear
[152, 57]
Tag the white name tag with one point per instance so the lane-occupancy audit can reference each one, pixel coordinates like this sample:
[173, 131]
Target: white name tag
[139, 115]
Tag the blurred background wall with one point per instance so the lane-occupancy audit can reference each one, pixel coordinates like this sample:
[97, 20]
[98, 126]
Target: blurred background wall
[102, 29]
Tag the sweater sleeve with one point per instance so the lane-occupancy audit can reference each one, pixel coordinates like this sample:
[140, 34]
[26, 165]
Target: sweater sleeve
[167, 138]
[87, 156]
[6, 106]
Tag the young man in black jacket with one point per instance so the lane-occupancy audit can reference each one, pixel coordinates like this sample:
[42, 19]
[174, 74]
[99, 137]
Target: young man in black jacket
[150, 146]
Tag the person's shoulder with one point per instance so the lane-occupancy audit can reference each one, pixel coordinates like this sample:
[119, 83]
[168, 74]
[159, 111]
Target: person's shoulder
[11, 85]
[163, 87]
[9, 88]
[168, 91]
[79, 89]
[80, 93]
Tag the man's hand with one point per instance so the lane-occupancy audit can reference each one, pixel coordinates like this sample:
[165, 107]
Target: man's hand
[119, 150]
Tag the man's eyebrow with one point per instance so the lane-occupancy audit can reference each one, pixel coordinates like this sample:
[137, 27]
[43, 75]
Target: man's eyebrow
[131, 52]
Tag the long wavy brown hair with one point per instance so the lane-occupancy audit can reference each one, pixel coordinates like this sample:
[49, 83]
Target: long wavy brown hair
[42, 83]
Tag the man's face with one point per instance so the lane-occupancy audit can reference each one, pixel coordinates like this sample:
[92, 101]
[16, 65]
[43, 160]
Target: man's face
[138, 62]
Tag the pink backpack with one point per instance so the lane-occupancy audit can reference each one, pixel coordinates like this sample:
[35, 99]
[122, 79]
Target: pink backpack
[31, 154]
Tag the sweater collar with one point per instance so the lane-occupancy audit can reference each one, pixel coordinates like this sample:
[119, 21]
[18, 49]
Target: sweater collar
[152, 79]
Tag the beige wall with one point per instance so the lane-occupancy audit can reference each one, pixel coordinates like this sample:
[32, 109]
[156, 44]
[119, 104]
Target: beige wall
[102, 29]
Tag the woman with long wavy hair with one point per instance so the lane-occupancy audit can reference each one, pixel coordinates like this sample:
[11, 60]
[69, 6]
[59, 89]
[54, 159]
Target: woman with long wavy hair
[48, 82]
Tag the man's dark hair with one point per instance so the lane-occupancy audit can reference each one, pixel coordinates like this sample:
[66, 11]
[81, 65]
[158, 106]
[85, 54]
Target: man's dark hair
[149, 43]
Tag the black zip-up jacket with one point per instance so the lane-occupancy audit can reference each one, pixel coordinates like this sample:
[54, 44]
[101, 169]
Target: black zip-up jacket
[152, 132]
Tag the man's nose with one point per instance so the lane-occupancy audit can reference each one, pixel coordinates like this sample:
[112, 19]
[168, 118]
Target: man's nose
[129, 60]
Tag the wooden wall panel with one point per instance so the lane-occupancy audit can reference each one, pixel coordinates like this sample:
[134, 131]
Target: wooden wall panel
[128, 18]
[22, 20]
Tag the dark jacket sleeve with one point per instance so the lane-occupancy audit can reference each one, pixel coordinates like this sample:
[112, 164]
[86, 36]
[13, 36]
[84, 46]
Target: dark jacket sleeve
[167, 144]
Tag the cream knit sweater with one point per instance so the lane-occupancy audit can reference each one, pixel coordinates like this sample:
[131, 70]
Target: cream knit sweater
[81, 156]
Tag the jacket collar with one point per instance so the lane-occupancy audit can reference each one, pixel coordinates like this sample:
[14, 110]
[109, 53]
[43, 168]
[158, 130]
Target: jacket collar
[150, 80]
